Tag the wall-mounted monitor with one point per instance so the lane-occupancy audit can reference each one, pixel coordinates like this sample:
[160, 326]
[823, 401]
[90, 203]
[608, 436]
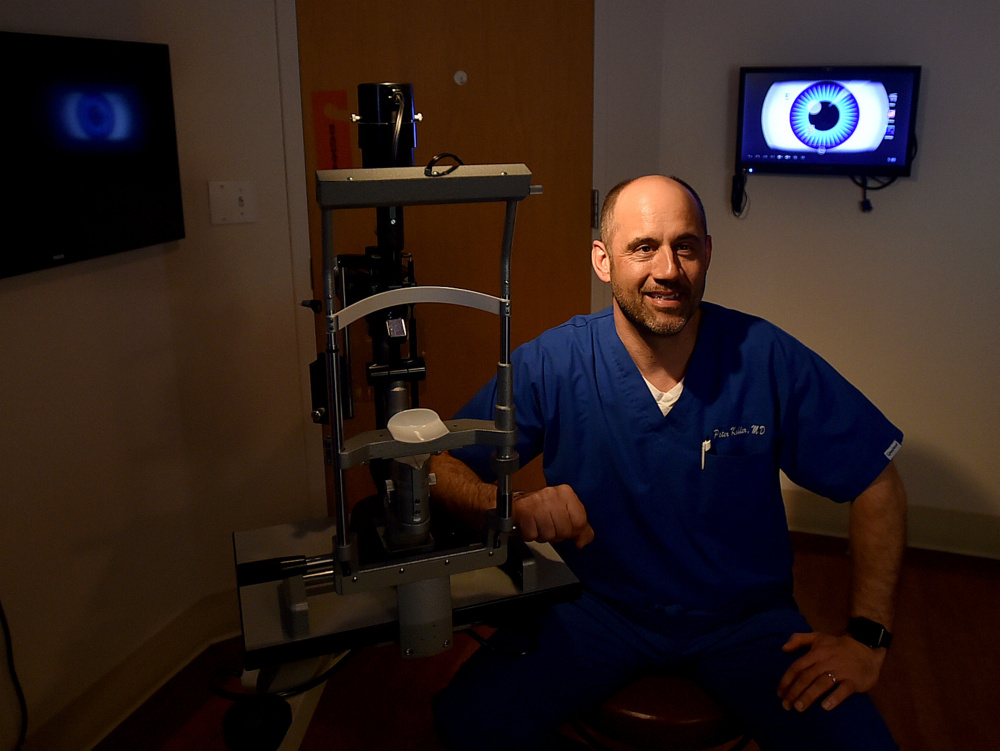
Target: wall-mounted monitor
[89, 150]
[849, 120]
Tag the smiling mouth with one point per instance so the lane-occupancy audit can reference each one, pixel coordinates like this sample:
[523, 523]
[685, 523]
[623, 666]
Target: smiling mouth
[663, 296]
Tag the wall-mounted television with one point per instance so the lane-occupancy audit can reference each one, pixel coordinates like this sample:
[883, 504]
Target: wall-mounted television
[848, 120]
[89, 145]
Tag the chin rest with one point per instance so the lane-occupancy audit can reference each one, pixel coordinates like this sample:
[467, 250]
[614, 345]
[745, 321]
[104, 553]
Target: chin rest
[659, 711]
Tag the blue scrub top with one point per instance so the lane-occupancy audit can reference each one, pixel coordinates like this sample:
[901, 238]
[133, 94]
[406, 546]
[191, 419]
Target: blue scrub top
[676, 531]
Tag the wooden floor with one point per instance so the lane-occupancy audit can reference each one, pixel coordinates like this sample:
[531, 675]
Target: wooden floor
[938, 692]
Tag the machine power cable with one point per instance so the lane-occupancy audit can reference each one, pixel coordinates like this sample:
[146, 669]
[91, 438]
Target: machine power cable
[9, 645]
[397, 96]
[287, 693]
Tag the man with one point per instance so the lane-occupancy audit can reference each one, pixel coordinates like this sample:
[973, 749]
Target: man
[663, 424]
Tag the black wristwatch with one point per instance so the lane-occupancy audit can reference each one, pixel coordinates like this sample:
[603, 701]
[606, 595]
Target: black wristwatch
[869, 633]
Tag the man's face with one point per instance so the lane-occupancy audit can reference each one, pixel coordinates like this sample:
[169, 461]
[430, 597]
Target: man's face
[658, 258]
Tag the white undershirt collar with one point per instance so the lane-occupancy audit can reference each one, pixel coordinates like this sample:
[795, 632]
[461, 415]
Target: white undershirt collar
[665, 400]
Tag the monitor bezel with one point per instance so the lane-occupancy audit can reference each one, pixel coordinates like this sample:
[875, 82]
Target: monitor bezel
[144, 209]
[858, 169]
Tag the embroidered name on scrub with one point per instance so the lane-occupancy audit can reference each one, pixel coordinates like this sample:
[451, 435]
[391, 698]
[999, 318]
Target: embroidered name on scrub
[723, 433]
[741, 430]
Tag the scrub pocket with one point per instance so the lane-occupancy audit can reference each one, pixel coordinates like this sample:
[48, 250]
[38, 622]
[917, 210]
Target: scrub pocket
[731, 490]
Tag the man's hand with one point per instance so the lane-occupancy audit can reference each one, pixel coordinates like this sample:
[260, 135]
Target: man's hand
[553, 514]
[834, 667]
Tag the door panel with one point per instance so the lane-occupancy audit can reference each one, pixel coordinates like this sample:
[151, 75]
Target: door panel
[496, 82]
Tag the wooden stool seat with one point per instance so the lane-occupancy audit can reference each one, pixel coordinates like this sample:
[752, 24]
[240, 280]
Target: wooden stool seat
[661, 712]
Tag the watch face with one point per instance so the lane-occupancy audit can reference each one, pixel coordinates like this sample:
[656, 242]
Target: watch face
[869, 633]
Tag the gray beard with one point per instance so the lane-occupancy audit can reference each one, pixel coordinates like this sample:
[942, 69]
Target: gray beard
[644, 323]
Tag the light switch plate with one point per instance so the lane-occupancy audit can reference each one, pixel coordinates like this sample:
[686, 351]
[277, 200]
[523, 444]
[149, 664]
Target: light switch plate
[231, 202]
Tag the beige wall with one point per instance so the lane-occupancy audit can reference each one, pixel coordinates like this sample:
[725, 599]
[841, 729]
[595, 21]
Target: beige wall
[901, 300]
[153, 400]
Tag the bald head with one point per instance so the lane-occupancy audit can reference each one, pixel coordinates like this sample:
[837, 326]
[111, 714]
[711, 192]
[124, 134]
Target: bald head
[608, 226]
[655, 255]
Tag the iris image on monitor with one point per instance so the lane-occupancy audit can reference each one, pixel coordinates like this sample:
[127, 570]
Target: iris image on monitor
[849, 120]
[100, 118]
[90, 150]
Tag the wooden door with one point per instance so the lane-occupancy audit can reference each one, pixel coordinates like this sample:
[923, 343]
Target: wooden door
[496, 82]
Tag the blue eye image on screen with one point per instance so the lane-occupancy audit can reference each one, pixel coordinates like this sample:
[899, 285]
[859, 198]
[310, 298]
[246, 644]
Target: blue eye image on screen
[819, 116]
[95, 118]
[824, 115]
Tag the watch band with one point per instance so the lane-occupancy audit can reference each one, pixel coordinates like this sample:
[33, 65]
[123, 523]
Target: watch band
[869, 633]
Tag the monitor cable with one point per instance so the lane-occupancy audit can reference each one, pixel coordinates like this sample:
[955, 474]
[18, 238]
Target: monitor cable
[880, 183]
[738, 198]
[870, 183]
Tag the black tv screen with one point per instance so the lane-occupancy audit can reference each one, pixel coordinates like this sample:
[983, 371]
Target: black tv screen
[90, 150]
[849, 120]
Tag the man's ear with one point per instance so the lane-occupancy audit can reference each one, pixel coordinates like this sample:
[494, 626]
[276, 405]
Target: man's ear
[600, 258]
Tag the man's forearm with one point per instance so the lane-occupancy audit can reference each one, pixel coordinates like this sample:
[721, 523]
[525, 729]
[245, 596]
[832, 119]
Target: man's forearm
[837, 666]
[877, 539]
[460, 490]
